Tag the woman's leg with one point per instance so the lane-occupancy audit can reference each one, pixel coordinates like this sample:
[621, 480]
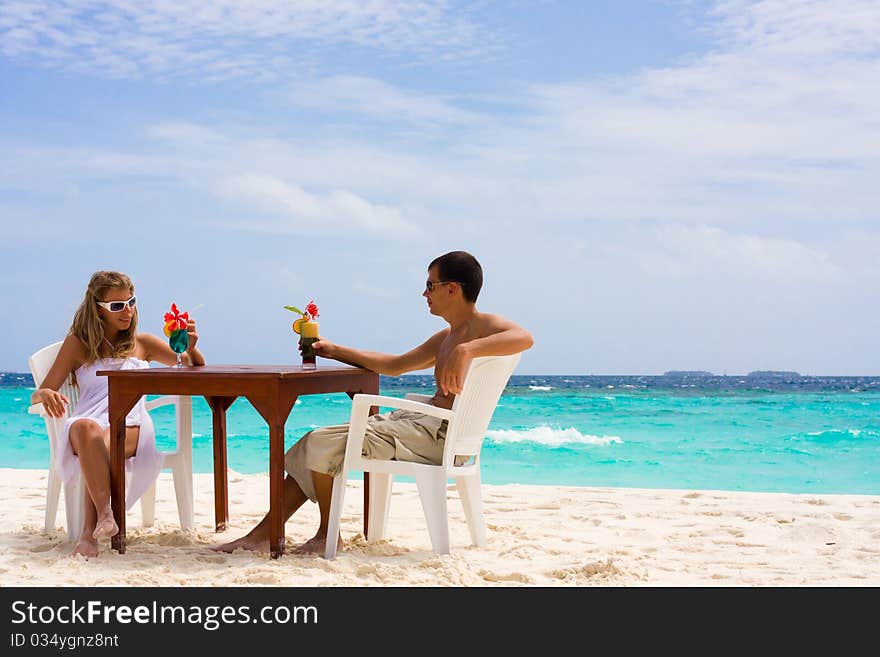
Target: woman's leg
[105, 526]
[87, 546]
[92, 444]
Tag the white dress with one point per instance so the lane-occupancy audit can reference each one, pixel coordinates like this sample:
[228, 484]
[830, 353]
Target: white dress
[141, 469]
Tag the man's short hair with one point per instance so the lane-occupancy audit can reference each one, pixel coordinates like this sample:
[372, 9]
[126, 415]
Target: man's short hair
[462, 268]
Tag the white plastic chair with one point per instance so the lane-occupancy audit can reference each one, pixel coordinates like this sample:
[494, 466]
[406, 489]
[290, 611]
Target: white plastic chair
[180, 460]
[468, 420]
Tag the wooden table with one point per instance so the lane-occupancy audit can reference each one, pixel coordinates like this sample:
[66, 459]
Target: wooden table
[271, 389]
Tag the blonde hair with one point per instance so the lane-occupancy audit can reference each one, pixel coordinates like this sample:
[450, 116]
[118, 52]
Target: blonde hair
[87, 324]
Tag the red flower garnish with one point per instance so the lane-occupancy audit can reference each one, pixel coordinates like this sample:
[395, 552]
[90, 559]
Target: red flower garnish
[180, 319]
[312, 309]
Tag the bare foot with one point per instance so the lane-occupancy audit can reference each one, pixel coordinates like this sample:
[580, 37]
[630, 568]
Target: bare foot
[253, 543]
[316, 545]
[106, 525]
[86, 546]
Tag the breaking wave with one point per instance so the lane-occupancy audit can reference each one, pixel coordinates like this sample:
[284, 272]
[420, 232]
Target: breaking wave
[549, 437]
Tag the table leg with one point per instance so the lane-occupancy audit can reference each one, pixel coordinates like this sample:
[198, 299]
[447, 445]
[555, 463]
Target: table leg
[119, 403]
[117, 483]
[276, 489]
[219, 405]
[274, 408]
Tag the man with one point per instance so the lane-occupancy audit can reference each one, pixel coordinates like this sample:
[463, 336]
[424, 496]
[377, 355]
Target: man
[454, 282]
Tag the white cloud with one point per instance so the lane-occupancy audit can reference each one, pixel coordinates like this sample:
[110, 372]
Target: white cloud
[225, 39]
[188, 134]
[767, 128]
[679, 250]
[800, 28]
[378, 100]
[741, 180]
[302, 211]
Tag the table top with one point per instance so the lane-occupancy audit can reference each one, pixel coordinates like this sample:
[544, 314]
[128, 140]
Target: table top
[240, 371]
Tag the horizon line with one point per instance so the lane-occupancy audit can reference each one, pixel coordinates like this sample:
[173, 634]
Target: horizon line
[667, 374]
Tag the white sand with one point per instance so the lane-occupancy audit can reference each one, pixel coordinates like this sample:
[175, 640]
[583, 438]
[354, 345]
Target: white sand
[538, 536]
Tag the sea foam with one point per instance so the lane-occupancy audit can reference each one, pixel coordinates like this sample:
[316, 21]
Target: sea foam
[549, 437]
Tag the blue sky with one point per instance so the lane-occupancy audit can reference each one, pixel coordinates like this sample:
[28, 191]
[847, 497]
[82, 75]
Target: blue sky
[649, 185]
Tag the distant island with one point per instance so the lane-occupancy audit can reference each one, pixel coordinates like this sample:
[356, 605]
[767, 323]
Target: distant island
[757, 374]
[684, 373]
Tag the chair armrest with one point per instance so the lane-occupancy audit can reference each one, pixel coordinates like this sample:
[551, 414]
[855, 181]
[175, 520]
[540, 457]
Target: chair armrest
[414, 396]
[361, 402]
[360, 412]
[161, 401]
[53, 424]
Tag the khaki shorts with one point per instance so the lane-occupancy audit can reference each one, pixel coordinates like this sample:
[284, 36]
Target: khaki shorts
[399, 435]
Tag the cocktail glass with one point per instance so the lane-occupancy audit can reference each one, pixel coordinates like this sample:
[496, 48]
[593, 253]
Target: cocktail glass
[176, 325]
[178, 341]
[308, 336]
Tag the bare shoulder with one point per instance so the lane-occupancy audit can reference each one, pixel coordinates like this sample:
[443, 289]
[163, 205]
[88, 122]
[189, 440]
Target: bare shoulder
[438, 337]
[72, 351]
[491, 324]
[71, 355]
[73, 345]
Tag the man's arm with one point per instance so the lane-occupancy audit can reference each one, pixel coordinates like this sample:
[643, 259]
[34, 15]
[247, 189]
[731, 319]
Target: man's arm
[425, 355]
[505, 338]
[508, 341]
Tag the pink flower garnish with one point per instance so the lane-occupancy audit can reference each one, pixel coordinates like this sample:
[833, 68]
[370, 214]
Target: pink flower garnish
[312, 309]
[180, 319]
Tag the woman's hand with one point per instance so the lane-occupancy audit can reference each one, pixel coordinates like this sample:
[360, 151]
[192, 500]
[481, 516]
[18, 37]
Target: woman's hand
[192, 335]
[193, 355]
[53, 401]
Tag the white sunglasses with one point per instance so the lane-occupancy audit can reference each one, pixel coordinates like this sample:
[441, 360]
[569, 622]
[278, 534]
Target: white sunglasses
[117, 306]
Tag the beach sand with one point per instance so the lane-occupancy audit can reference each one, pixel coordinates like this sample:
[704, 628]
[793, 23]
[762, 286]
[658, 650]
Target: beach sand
[538, 536]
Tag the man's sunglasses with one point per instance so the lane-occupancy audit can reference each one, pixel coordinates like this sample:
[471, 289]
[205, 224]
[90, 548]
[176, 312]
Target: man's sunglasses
[118, 306]
[430, 285]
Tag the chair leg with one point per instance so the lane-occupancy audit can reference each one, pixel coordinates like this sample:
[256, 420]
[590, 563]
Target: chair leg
[74, 499]
[53, 494]
[337, 497]
[183, 479]
[148, 506]
[432, 491]
[183, 491]
[472, 501]
[380, 501]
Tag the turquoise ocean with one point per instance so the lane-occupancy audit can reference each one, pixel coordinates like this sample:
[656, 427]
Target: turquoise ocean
[792, 434]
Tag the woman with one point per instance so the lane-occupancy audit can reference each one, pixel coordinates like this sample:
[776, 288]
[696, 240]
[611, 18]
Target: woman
[103, 336]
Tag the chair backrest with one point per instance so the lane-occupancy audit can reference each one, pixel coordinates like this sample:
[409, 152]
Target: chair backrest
[475, 404]
[41, 362]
